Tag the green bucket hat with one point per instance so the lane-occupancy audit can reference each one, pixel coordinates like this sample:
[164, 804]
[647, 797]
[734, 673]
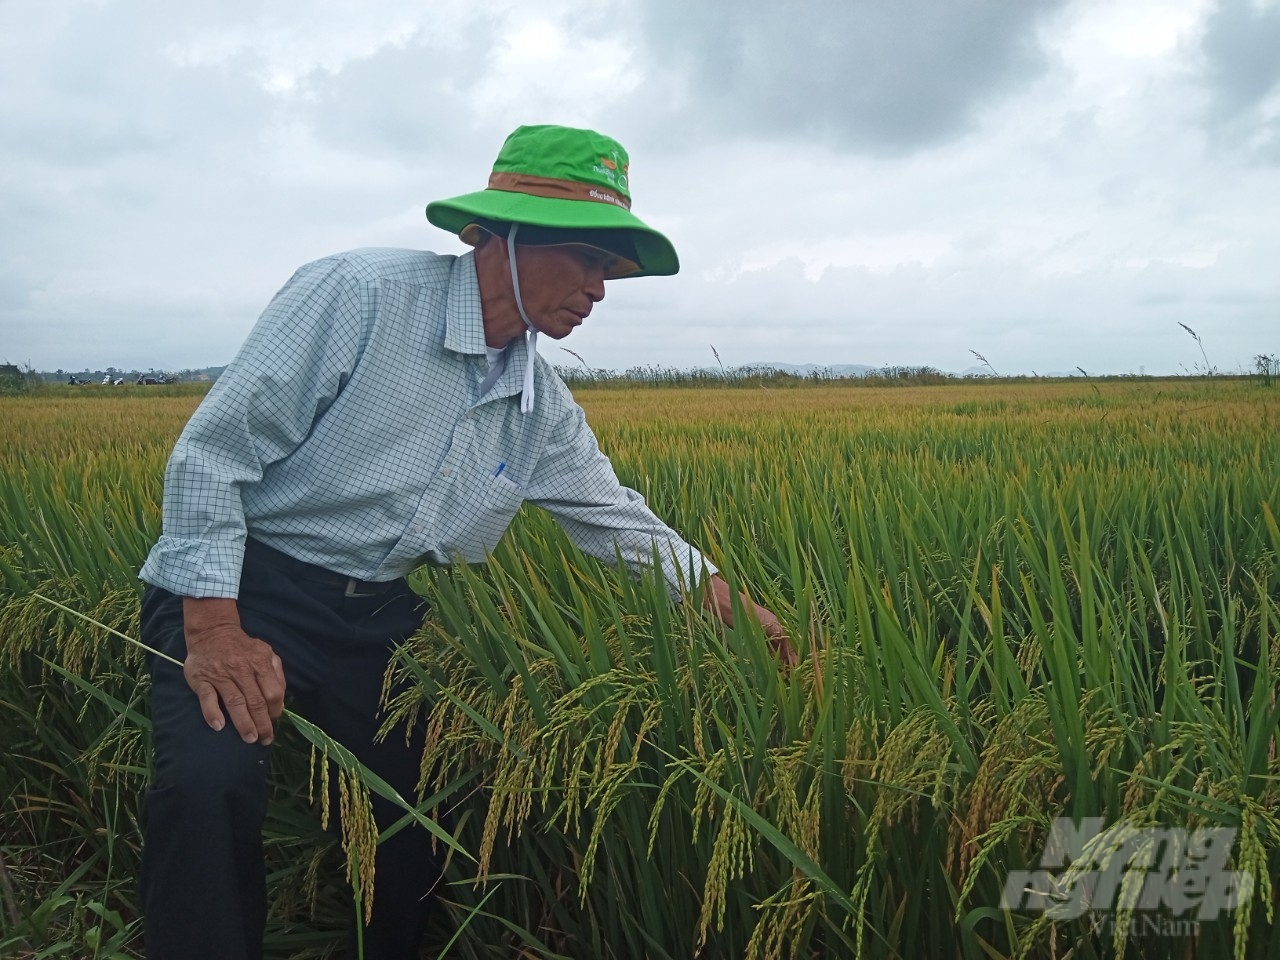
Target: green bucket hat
[571, 184]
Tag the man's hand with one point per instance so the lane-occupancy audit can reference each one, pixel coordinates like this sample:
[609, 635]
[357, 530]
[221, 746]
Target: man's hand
[719, 600]
[224, 663]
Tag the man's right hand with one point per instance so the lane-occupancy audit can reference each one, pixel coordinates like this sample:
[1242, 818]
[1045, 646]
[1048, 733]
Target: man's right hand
[226, 664]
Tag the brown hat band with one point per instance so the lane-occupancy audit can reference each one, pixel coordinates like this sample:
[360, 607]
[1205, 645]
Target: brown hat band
[554, 189]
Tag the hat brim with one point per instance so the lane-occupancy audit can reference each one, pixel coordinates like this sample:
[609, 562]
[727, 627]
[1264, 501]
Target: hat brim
[654, 252]
[617, 245]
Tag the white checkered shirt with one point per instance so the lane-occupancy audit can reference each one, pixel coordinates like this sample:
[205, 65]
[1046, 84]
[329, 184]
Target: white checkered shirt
[349, 433]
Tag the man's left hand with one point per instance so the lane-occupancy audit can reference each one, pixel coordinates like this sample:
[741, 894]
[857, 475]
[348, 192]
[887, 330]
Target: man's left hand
[719, 599]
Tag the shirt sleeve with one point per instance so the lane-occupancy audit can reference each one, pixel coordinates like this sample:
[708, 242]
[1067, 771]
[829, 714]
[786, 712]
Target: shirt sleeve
[576, 483]
[294, 363]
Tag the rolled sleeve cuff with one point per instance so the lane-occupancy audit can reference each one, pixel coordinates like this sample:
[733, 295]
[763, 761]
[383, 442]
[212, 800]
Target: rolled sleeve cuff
[195, 568]
[684, 567]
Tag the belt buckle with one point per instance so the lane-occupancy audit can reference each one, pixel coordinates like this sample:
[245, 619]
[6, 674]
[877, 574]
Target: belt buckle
[353, 589]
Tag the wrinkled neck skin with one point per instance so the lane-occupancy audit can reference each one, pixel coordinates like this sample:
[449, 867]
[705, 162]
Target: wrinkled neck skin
[502, 320]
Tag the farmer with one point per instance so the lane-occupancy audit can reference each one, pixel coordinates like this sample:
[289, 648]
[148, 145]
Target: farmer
[388, 409]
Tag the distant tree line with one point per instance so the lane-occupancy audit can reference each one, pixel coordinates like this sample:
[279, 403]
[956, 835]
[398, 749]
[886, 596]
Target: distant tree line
[750, 376]
[112, 374]
[14, 379]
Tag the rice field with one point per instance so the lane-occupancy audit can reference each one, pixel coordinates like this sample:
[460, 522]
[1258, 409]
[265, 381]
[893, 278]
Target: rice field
[1013, 602]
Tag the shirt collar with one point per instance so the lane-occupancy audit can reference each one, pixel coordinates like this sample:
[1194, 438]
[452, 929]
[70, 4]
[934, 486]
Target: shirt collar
[511, 382]
[464, 328]
[463, 319]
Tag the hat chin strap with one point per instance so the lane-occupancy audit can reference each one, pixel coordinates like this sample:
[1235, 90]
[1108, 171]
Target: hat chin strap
[526, 394]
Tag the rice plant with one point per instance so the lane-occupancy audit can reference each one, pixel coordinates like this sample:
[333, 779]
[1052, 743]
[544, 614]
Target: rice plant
[1012, 602]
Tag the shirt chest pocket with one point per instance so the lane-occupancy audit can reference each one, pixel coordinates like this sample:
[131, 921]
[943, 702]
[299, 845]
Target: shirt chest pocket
[475, 510]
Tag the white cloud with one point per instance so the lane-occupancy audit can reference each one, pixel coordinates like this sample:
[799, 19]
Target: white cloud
[575, 80]
[1055, 186]
[286, 43]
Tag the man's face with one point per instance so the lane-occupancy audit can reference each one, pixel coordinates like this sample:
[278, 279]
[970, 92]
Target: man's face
[560, 284]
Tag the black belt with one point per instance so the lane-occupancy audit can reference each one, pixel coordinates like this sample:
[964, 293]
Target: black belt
[301, 570]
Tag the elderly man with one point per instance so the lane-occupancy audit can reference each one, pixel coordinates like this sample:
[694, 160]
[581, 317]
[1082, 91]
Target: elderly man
[388, 409]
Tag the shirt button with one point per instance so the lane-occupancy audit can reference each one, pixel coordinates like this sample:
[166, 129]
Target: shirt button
[446, 471]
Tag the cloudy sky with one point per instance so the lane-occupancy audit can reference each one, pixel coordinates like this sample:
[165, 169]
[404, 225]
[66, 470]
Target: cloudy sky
[1052, 183]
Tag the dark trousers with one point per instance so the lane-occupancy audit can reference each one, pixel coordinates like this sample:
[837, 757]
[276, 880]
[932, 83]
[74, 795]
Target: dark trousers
[203, 877]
